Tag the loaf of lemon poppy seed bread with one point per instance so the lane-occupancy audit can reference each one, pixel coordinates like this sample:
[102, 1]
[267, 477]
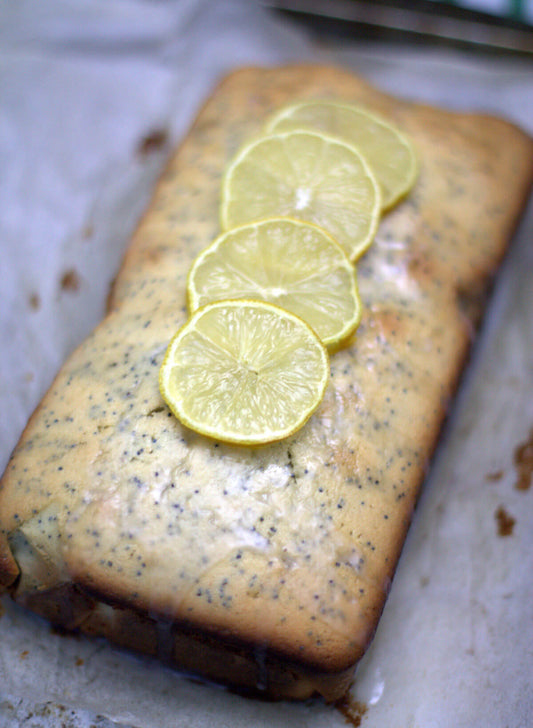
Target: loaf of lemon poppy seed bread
[264, 568]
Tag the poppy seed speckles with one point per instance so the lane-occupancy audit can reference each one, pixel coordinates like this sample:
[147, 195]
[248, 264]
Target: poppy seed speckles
[281, 554]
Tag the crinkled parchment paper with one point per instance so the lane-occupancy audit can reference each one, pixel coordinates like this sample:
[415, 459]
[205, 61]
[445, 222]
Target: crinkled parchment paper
[93, 96]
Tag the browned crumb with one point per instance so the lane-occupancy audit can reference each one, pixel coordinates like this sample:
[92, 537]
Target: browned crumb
[35, 301]
[79, 662]
[505, 522]
[351, 710]
[152, 142]
[110, 294]
[24, 654]
[523, 460]
[70, 281]
[495, 476]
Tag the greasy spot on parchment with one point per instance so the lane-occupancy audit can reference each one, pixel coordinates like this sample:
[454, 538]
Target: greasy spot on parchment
[88, 231]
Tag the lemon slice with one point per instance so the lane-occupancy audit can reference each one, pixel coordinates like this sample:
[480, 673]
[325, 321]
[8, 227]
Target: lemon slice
[307, 176]
[292, 264]
[244, 372]
[386, 149]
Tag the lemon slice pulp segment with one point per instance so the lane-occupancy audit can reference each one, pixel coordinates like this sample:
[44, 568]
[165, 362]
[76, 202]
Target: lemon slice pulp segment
[308, 176]
[389, 152]
[244, 372]
[294, 265]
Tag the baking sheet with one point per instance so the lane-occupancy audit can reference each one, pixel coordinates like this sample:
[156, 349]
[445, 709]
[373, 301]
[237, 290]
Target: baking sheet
[93, 96]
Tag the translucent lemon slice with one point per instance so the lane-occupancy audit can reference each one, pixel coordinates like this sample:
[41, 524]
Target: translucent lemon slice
[244, 372]
[292, 264]
[308, 176]
[389, 153]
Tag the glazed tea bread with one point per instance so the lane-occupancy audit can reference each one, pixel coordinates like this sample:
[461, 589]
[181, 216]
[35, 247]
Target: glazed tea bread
[266, 568]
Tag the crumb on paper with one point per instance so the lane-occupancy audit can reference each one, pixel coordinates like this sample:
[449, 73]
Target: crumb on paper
[70, 281]
[495, 476]
[24, 654]
[152, 142]
[34, 301]
[523, 460]
[352, 710]
[505, 522]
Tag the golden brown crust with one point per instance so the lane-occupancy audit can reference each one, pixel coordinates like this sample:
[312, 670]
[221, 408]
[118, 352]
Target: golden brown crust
[277, 559]
[8, 566]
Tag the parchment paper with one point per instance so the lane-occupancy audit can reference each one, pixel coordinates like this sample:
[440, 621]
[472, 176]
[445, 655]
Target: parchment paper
[93, 96]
